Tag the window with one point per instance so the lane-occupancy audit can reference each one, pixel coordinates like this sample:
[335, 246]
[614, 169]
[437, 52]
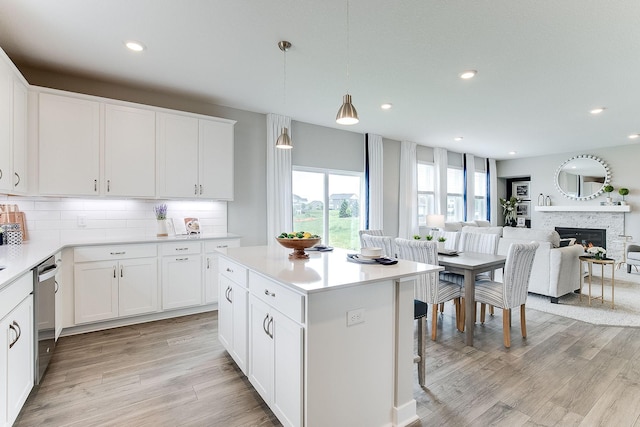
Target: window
[480, 196]
[455, 190]
[328, 204]
[426, 192]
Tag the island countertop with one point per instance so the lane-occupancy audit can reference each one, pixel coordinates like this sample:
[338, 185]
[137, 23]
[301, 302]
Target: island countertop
[322, 271]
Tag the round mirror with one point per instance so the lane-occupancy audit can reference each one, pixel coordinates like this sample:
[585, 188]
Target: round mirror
[582, 177]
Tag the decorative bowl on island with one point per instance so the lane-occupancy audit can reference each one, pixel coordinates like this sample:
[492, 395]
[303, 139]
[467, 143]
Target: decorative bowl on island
[298, 244]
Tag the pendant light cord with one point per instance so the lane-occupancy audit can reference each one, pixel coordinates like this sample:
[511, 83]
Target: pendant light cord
[348, 77]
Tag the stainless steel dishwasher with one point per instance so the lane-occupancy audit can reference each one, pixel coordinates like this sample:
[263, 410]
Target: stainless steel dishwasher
[44, 293]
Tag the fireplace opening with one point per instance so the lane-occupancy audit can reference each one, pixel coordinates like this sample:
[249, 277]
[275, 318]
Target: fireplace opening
[586, 237]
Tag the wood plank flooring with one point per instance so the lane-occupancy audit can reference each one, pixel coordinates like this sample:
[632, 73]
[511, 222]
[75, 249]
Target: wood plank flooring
[175, 373]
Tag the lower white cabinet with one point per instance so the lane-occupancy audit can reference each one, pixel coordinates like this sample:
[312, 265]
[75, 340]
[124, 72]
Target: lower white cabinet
[117, 287]
[232, 311]
[211, 267]
[181, 275]
[16, 347]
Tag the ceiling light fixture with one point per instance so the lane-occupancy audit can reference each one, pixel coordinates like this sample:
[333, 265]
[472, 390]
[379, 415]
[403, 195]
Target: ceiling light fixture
[512, 153]
[284, 140]
[347, 114]
[458, 138]
[135, 46]
[386, 106]
[468, 74]
[634, 136]
[597, 110]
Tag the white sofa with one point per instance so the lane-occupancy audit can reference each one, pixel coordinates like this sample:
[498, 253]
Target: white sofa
[555, 269]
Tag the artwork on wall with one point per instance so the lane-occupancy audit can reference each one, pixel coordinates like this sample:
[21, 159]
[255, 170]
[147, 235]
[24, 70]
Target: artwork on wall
[523, 210]
[520, 190]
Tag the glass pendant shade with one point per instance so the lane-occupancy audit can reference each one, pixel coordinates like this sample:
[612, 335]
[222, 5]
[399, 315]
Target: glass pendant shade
[284, 141]
[347, 114]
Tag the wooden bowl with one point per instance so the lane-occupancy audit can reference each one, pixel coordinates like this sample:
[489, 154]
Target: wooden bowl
[298, 246]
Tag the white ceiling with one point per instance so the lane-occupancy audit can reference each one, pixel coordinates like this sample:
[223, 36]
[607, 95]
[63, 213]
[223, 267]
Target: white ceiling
[542, 65]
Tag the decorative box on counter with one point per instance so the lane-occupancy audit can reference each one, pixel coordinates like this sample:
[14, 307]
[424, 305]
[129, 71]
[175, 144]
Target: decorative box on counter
[12, 234]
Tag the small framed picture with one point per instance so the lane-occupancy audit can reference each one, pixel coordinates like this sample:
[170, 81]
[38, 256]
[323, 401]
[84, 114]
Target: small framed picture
[521, 190]
[523, 210]
[521, 221]
[192, 225]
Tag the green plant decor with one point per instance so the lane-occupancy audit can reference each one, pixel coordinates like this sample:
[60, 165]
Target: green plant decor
[415, 236]
[623, 192]
[429, 237]
[442, 239]
[608, 189]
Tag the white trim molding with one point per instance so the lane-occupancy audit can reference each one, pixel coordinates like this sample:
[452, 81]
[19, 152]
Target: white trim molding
[589, 208]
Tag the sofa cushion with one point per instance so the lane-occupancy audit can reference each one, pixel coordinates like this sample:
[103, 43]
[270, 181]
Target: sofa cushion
[550, 236]
[481, 223]
[633, 255]
[487, 230]
[453, 226]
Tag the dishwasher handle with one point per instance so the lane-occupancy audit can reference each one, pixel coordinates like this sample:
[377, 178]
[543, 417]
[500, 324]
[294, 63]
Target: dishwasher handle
[49, 272]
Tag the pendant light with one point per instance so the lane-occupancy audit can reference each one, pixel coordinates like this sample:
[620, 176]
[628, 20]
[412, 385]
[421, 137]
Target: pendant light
[347, 114]
[284, 140]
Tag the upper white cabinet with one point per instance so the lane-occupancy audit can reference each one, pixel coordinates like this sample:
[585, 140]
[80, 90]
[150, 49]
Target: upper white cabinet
[6, 105]
[129, 151]
[195, 157]
[19, 172]
[69, 145]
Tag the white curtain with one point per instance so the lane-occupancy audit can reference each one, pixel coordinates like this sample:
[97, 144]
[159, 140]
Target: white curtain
[375, 160]
[441, 162]
[493, 192]
[279, 204]
[470, 163]
[408, 209]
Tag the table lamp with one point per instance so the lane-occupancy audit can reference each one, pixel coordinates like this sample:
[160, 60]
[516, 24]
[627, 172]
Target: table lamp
[435, 221]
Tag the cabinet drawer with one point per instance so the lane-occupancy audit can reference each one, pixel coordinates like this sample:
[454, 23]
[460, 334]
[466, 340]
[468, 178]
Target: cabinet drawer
[14, 293]
[212, 245]
[181, 248]
[278, 296]
[233, 271]
[104, 253]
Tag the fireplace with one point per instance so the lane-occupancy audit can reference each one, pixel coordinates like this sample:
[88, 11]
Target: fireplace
[585, 236]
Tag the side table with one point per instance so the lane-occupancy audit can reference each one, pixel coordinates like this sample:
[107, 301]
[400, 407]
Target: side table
[590, 261]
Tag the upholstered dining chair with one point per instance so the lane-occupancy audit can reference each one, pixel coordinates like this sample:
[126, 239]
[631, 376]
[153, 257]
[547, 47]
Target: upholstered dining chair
[512, 291]
[385, 242]
[371, 233]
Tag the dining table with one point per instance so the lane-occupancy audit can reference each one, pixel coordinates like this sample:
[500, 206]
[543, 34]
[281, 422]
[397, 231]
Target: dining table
[470, 264]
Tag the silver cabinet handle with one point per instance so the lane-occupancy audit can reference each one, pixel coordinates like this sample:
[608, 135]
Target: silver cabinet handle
[229, 270]
[222, 246]
[17, 176]
[182, 249]
[57, 287]
[195, 189]
[114, 271]
[271, 294]
[265, 325]
[201, 189]
[227, 294]
[208, 263]
[118, 253]
[108, 185]
[121, 273]
[17, 330]
[95, 185]
[182, 259]
[269, 328]
[1, 174]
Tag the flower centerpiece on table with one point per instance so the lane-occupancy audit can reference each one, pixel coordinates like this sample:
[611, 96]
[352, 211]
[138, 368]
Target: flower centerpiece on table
[597, 252]
[509, 209]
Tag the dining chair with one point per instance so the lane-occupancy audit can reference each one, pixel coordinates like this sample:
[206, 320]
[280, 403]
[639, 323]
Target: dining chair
[452, 237]
[385, 242]
[371, 233]
[512, 291]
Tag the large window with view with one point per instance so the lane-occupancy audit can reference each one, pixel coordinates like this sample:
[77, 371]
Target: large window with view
[328, 203]
[455, 194]
[426, 192]
[480, 196]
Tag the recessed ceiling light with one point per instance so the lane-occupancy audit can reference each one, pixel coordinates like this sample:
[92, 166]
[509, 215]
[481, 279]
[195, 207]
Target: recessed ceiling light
[458, 138]
[386, 106]
[512, 153]
[634, 136]
[468, 74]
[597, 110]
[134, 46]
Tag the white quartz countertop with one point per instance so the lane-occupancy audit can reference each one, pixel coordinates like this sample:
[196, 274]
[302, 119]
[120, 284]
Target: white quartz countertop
[19, 259]
[322, 271]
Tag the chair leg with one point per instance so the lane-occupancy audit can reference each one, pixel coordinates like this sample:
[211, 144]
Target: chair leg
[434, 322]
[491, 310]
[463, 314]
[456, 304]
[506, 331]
[523, 322]
[441, 307]
[422, 330]
[483, 308]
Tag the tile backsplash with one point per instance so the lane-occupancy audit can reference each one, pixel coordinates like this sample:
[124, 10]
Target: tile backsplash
[61, 218]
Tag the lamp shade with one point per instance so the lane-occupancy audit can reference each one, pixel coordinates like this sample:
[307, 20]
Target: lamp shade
[284, 141]
[347, 114]
[435, 221]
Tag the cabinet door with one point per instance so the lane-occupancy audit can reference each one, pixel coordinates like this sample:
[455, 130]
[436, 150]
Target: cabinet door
[261, 349]
[216, 160]
[240, 298]
[138, 286]
[130, 152]
[19, 175]
[181, 281]
[225, 313]
[177, 172]
[96, 291]
[6, 105]
[20, 357]
[210, 278]
[69, 142]
[288, 362]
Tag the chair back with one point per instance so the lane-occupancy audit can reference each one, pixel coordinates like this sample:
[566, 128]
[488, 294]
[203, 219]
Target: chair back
[486, 243]
[426, 288]
[452, 239]
[385, 242]
[371, 233]
[517, 271]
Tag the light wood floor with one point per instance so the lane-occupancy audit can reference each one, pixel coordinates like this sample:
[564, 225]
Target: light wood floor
[175, 373]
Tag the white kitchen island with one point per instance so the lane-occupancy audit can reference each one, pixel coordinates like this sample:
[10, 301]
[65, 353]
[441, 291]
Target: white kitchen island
[324, 341]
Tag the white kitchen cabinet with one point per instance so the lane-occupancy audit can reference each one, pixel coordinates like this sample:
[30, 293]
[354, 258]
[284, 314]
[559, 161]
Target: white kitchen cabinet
[58, 297]
[181, 275]
[19, 163]
[233, 311]
[69, 145]
[129, 159]
[211, 267]
[115, 281]
[16, 347]
[6, 119]
[195, 157]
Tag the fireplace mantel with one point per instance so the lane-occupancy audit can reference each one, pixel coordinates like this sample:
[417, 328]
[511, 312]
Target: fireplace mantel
[585, 208]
